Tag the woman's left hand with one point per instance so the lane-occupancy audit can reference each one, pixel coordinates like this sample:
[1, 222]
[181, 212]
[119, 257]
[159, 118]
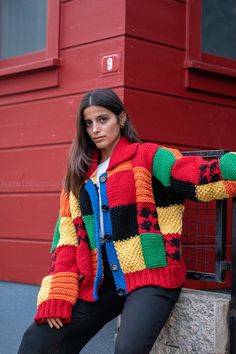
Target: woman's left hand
[55, 322]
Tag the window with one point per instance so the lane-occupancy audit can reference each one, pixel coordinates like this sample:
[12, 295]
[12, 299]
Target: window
[219, 28]
[29, 43]
[210, 61]
[22, 27]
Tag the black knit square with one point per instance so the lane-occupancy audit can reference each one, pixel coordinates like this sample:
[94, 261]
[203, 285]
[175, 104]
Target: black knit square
[164, 196]
[124, 221]
[85, 202]
[185, 189]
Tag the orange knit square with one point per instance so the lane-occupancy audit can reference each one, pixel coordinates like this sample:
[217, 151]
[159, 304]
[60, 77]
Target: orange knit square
[94, 260]
[230, 187]
[120, 168]
[177, 154]
[143, 184]
[64, 286]
[64, 204]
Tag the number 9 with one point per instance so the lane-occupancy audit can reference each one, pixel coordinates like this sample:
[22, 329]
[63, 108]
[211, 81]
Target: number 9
[109, 64]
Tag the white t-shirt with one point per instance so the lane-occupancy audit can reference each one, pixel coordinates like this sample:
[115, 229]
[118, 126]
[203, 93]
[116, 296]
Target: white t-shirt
[102, 167]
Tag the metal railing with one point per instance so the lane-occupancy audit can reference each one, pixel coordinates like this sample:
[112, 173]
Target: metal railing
[232, 312]
[217, 250]
[211, 244]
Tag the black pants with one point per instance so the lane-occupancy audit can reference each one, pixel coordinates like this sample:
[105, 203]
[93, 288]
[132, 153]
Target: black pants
[144, 313]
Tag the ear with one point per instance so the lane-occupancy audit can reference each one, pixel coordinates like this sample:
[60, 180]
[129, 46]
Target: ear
[123, 117]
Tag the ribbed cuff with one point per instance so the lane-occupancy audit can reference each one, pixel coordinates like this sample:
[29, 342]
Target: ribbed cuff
[54, 308]
[168, 277]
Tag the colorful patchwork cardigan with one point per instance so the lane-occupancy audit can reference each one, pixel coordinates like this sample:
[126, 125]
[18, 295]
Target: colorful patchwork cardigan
[142, 196]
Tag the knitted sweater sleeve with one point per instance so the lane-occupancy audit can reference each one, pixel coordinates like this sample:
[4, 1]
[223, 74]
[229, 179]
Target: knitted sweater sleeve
[59, 289]
[194, 177]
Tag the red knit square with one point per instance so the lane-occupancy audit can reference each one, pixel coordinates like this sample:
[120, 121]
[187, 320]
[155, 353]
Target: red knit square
[173, 247]
[63, 259]
[197, 170]
[147, 218]
[121, 188]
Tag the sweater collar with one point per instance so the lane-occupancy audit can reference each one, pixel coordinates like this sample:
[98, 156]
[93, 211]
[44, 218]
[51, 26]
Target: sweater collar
[123, 151]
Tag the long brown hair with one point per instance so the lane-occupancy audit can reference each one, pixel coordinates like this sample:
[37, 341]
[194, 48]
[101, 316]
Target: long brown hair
[82, 146]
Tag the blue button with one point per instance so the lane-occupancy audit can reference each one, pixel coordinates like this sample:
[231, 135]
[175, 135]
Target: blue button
[107, 237]
[121, 292]
[103, 179]
[105, 207]
[114, 267]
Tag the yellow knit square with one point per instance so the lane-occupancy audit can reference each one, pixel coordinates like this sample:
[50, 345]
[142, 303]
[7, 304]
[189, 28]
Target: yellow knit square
[74, 206]
[67, 232]
[93, 178]
[130, 254]
[143, 184]
[44, 289]
[170, 219]
[211, 191]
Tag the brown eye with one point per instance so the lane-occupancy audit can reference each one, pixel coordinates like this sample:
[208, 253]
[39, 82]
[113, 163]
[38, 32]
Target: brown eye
[87, 123]
[103, 119]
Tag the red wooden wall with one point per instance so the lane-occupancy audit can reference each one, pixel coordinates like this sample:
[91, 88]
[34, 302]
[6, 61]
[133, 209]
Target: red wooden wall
[37, 125]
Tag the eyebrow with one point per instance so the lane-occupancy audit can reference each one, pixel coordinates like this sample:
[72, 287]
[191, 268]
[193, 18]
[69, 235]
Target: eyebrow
[100, 116]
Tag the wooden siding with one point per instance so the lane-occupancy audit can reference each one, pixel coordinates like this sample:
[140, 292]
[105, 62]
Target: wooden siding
[37, 126]
[182, 122]
[37, 121]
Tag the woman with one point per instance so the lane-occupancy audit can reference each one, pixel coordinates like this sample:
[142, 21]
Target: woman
[116, 246]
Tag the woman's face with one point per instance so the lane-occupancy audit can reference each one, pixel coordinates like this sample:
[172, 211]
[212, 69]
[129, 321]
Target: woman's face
[103, 128]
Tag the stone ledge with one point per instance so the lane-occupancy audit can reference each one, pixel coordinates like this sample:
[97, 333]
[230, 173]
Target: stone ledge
[198, 324]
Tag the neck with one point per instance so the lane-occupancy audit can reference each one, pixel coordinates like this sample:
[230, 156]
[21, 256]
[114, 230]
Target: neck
[104, 158]
[106, 153]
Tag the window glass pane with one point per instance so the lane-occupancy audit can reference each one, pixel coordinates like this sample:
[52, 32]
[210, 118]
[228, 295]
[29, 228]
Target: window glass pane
[22, 27]
[219, 27]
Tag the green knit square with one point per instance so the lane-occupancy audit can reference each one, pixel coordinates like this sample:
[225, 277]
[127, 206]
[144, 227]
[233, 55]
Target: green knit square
[153, 250]
[228, 166]
[162, 165]
[56, 235]
[89, 224]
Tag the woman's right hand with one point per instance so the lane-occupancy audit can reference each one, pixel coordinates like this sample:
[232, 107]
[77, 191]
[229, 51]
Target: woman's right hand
[54, 322]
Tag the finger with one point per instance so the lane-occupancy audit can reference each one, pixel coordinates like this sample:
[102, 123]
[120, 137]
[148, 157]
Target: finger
[59, 322]
[49, 322]
[55, 323]
[52, 323]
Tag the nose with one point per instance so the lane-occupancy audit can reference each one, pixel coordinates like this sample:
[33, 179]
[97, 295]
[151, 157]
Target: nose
[95, 127]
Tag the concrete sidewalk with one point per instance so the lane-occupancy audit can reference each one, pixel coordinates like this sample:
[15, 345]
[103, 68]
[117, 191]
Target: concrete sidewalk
[17, 309]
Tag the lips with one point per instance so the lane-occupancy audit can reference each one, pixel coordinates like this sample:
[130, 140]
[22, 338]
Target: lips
[98, 138]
